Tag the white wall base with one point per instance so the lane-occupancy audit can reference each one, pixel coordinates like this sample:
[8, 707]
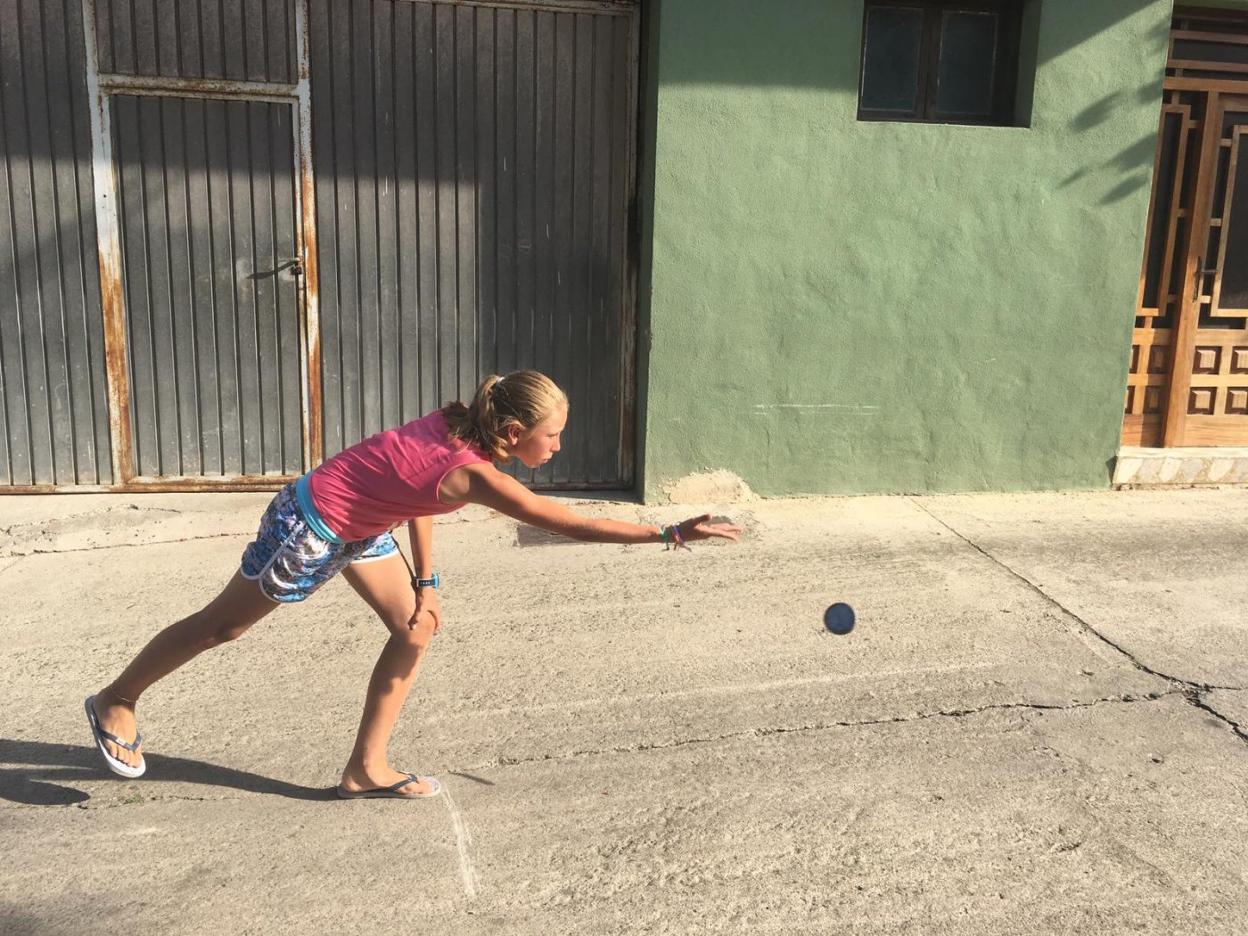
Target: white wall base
[1180, 466]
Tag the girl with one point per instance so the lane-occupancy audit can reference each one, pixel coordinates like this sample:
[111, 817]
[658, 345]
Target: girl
[338, 518]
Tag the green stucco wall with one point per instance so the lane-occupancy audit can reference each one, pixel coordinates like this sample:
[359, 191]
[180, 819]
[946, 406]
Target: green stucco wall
[831, 306]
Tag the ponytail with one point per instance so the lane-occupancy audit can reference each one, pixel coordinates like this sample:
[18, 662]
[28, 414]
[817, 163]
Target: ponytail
[521, 398]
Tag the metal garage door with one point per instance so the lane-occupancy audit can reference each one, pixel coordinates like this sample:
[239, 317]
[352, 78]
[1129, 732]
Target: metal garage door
[474, 166]
[312, 220]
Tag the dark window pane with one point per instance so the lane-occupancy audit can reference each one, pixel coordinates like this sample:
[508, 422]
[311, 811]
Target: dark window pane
[1210, 51]
[1235, 264]
[968, 48]
[890, 62]
[1163, 192]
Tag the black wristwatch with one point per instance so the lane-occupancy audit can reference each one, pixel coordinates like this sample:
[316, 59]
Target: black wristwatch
[426, 583]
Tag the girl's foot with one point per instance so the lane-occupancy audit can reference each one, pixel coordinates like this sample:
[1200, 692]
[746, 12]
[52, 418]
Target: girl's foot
[117, 717]
[356, 780]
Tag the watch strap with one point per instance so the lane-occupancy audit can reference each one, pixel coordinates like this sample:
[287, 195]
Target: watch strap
[433, 582]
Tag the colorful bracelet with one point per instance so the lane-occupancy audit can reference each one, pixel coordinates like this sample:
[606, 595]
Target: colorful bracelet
[671, 538]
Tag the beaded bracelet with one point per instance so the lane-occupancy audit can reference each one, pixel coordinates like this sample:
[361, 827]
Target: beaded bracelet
[672, 539]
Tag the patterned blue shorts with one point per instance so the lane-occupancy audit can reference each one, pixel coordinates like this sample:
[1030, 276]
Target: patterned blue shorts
[289, 561]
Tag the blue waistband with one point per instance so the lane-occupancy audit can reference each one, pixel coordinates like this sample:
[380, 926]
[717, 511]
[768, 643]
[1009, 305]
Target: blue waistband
[303, 494]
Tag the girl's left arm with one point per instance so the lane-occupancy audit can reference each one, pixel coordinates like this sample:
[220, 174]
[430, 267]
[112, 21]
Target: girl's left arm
[420, 531]
[486, 485]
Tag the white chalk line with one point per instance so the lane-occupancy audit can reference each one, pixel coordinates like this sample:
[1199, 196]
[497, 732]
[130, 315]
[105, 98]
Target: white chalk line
[463, 842]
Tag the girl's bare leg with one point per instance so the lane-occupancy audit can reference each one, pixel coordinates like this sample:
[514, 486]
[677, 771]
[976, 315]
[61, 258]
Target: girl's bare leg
[386, 585]
[226, 617]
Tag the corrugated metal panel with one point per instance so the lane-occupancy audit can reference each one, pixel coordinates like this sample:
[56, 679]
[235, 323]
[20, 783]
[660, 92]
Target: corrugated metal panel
[473, 171]
[242, 40]
[206, 195]
[53, 410]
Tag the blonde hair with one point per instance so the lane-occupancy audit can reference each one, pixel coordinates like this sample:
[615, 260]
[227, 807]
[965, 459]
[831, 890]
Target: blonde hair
[521, 398]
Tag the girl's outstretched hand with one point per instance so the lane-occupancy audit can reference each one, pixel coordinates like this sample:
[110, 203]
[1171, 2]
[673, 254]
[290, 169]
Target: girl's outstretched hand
[701, 528]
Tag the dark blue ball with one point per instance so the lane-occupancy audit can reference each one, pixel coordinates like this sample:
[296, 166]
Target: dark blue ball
[839, 618]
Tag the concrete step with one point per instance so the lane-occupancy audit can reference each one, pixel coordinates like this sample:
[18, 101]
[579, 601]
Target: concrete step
[1157, 467]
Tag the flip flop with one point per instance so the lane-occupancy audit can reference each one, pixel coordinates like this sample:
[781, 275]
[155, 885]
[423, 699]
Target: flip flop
[392, 791]
[116, 766]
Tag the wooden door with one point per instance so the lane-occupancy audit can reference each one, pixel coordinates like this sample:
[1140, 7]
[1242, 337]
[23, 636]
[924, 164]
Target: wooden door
[1213, 334]
[1188, 383]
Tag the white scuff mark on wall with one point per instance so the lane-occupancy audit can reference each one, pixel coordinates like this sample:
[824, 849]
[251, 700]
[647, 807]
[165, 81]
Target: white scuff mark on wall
[847, 409]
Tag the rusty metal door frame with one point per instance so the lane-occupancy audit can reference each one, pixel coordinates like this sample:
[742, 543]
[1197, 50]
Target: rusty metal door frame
[100, 87]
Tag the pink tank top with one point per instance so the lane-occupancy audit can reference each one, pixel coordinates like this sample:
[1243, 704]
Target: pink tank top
[389, 478]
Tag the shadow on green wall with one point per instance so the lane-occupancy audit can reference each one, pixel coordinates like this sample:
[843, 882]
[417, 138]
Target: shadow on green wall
[817, 43]
[1134, 162]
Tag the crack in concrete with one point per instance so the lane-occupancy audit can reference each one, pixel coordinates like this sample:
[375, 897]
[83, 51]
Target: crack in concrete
[139, 800]
[1192, 691]
[118, 804]
[16, 560]
[100, 512]
[763, 732]
[15, 530]
[1196, 699]
[1137, 663]
[1126, 699]
[77, 549]
[165, 798]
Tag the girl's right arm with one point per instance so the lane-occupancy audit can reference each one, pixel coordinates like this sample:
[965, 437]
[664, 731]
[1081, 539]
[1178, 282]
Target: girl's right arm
[488, 486]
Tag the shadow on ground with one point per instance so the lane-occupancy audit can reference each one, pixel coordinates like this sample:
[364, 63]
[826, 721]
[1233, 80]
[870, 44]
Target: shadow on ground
[47, 768]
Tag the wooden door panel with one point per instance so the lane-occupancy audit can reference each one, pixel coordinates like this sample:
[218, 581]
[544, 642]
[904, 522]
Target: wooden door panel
[1188, 375]
[1162, 278]
[1217, 399]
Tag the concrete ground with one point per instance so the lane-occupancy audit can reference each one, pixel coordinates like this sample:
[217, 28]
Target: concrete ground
[1039, 725]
